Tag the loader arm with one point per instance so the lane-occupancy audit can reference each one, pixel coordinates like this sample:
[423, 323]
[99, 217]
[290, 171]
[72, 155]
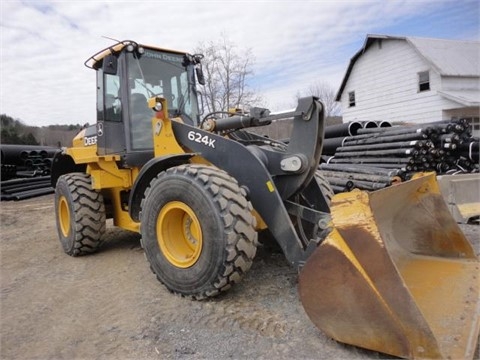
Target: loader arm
[294, 167]
[271, 176]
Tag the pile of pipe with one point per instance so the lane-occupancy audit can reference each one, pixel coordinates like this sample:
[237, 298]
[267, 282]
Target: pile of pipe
[25, 171]
[25, 188]
[374, 157]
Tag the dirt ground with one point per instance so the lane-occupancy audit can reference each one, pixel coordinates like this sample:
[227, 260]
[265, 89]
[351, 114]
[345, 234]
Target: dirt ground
[110, 306]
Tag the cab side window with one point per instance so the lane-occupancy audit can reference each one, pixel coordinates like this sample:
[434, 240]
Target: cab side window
[113, 106]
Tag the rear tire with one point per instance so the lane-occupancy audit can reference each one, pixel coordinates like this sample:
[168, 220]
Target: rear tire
[197, 230]
[79, 213]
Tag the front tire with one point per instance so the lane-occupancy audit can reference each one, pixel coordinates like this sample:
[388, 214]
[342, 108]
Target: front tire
[197, 230]
[79, 213]
[325, 187]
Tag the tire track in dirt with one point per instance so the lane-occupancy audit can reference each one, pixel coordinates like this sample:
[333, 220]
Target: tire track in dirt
[245, 316]
[226, 315]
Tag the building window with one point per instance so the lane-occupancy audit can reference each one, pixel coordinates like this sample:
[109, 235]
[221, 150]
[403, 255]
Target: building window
[423, 81]
[351, 99]
[473, 122]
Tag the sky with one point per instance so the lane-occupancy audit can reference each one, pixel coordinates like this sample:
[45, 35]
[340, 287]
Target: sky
[43, 44]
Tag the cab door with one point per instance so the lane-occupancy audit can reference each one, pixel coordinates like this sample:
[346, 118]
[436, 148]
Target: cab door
[110, 124]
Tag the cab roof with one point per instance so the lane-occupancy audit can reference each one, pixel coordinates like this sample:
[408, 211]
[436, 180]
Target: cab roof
[93, 61]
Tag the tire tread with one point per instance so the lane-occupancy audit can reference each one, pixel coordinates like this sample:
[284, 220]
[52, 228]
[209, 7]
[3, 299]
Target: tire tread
[89, 214]
[239, 223]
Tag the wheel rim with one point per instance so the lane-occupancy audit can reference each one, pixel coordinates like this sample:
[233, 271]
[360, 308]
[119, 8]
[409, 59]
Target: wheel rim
[179, 234]
[64, 216]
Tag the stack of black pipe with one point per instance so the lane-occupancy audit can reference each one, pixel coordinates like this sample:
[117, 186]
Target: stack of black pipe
[335, 135]
[445, 146]
[24, 188]
[345, 177]
[25, 171]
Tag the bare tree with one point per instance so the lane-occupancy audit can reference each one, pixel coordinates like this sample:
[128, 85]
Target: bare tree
[227, 70]
[326, 94]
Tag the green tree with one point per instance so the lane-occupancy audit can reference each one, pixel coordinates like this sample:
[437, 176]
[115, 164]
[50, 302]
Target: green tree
[29, 139]
[15, 132]
[9, 135]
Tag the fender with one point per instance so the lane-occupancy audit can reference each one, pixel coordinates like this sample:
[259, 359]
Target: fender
[63, 164]
[151, 169]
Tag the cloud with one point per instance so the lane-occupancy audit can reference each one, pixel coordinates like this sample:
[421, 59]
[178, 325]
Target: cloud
[295, 43]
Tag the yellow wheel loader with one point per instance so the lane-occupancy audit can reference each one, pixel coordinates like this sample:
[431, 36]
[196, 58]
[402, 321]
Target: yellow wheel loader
[388, 270]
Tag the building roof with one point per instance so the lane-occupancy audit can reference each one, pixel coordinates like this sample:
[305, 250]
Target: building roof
[450, 57]
[468, 98]
[447, 57]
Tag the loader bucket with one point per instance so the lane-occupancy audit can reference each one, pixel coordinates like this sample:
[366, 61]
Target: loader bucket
[396, 275]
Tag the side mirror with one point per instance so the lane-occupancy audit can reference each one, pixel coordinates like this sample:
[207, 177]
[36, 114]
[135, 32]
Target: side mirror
[199, 73]
[110, 64]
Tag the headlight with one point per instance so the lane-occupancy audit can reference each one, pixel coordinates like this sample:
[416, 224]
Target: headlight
[158, 106]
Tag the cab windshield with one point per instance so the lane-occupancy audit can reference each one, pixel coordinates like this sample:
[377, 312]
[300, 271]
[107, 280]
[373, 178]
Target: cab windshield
[158, 73]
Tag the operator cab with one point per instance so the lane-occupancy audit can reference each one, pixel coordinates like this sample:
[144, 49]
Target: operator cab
[128, 74]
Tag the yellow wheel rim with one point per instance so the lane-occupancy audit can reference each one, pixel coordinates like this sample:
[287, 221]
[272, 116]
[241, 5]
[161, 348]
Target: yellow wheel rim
[179, 234]
[64, 216]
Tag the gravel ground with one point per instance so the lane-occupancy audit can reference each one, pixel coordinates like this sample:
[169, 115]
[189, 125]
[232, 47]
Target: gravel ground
[110, 306]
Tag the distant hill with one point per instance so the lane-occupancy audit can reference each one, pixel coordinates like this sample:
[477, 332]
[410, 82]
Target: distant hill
[13, 131]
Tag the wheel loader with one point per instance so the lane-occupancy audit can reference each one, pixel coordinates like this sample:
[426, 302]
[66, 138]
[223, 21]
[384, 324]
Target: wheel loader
[387, 270]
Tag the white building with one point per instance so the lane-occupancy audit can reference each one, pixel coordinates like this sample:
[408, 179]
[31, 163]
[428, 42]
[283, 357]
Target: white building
[412, 79]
